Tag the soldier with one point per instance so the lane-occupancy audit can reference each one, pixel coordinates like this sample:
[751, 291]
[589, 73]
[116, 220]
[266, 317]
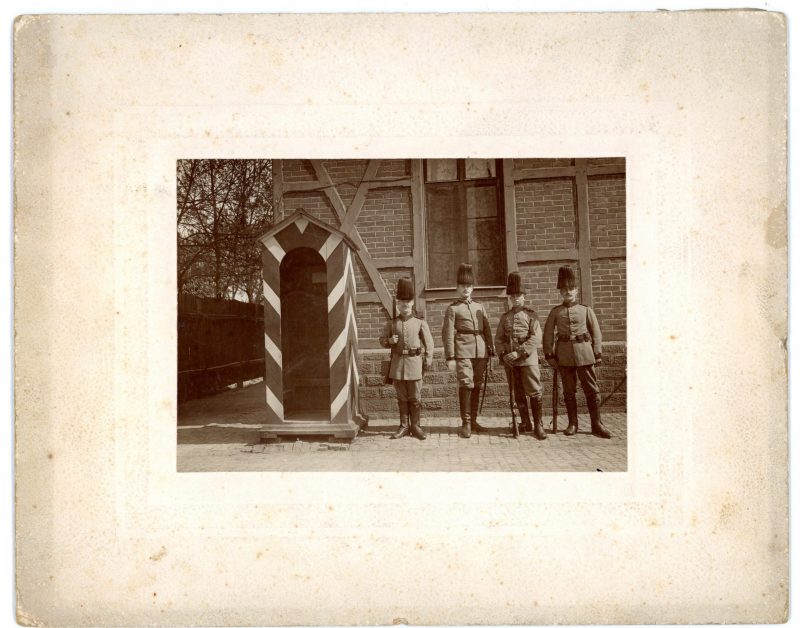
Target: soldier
[519, 334]
[412, 344]
[573, 345]
[468, 346]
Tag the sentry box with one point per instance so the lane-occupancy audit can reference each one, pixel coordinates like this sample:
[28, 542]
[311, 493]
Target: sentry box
[310, 332]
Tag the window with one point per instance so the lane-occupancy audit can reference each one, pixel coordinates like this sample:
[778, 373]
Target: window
[463, 200]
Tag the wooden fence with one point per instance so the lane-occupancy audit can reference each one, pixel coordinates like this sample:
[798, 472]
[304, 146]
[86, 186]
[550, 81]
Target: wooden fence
[220, 343]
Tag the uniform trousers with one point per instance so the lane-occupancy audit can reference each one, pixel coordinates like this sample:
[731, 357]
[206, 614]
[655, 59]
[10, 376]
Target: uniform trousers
[470, 370]
[527, 382]
[587, 376]
[408, 389]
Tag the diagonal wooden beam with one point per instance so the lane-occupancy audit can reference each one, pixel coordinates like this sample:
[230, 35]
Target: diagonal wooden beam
[330, 190]
[361, 195]
[374, 274]
[363, 254]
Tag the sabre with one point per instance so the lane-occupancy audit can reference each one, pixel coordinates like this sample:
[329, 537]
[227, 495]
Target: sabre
[555, 400]
[485, 383]
[512, 403]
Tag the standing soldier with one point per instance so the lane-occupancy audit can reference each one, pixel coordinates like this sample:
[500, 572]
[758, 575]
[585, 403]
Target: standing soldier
[468, 347]
[519, 334]
[411, 342]
[573, 345]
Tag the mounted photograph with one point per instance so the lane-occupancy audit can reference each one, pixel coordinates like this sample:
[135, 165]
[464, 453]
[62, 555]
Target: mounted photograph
[401, 314]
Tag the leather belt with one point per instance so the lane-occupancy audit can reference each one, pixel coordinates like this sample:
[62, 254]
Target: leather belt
[470, 332]
[416, 351]
[578, 338]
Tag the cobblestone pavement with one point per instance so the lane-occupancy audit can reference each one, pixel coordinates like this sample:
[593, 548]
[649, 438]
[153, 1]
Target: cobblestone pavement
[234, 446]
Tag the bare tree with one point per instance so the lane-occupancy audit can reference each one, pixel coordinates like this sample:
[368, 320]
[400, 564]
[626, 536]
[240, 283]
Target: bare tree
[223, 206]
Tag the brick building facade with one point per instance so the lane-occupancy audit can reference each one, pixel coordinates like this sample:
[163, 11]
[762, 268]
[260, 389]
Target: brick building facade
[420, 218]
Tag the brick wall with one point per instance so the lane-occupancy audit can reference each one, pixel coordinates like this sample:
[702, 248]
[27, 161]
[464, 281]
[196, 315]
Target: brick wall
[394, 168]
[542, 163]
[607, 210]
[315, 203]
[610, 298]
[545, 214]
[363, 281]
[606, 161]
[298, 170]
[439, 394]
[385, 222]
[370, 319]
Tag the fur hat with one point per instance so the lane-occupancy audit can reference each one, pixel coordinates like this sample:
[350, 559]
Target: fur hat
[465, 275]
[566, 278]
[405, 289]
[514, 285]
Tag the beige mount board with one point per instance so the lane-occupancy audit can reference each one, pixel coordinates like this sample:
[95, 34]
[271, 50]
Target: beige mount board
[108, 533]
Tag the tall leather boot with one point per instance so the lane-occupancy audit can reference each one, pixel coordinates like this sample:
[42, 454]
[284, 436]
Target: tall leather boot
[403, 430]
[572, 414]
[463, 404]
[536, 411]
[598, 429]
[474, 402]
[416, 428]
[525, 419]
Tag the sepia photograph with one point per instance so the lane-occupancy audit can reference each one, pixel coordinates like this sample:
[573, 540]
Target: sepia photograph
[377, 314]
[401, 319]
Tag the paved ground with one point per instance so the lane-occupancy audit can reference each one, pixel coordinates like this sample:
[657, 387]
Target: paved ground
[220, 433]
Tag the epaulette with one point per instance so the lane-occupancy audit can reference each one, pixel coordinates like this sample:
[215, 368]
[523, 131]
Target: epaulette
[456, 302]
[532, 312]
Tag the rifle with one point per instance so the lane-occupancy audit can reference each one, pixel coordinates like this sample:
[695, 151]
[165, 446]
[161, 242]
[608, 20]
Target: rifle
[555, 400]
[388, 379]
[512, 402]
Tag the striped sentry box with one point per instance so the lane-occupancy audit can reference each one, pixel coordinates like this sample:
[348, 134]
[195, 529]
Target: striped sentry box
[302, 230]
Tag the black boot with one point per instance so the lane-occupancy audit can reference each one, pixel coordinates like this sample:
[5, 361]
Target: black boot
[474, 402]
[403, 430]
[572, 414]
[536, 411]
[525, 420]
[416, 428]
[463, 405]
[598, 429]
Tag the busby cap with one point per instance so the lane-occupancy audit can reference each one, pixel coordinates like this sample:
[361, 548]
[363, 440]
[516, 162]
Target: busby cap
[514, 285]
[566, 278]
[405, 289]
[465, 275]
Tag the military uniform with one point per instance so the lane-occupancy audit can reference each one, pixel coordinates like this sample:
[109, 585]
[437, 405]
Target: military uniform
[573, 338]
[519, 331]
[412, 353]
[467, 339]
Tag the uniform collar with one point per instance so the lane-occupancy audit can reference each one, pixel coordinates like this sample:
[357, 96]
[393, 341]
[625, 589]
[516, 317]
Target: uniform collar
[466, 300]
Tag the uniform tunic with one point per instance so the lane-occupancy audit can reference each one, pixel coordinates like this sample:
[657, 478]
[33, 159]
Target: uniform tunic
[406, 370]
[467, 338]
[519, 330]
[572, 335]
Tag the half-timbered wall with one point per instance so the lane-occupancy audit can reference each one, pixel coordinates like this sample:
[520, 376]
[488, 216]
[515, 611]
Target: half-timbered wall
[556, 212]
